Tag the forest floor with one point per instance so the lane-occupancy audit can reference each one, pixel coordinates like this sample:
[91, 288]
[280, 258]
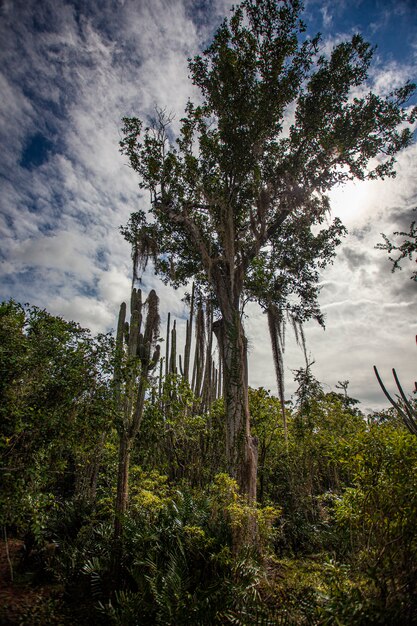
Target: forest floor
[22, 602]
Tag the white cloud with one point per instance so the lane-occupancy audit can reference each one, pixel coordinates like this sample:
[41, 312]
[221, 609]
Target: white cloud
[113, 286]
[387, 76]
[327, 16]
[87, 311]
[64, 250]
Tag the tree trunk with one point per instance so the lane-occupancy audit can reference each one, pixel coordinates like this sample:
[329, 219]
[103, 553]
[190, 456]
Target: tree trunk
[86, 478]
[121, 500]
[241, 447]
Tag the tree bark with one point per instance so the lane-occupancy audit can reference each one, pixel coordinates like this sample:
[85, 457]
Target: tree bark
[241, 447]
[86, 478]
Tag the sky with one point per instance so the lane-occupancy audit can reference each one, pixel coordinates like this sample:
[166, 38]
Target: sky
[70, 70]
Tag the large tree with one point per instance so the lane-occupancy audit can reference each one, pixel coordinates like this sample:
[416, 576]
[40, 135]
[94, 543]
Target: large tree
[235, 195]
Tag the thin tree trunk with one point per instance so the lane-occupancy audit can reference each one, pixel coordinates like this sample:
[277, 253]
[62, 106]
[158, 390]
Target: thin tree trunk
[9, 561]
[122, 496]
[86, 478]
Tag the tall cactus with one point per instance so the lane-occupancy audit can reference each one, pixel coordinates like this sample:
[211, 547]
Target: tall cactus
[137, 354]
[196, 367]
[167, 357]
[188, 336]
[199, 353]
[207, 386]
[173, 358]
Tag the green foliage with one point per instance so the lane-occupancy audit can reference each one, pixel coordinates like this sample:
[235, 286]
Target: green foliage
[55, 403]
[336, 522]
[267, 427]
[149, 492]
[378, 513]
[321, 592]
[179, 564]
[305, 474]
[230, 508]
[178, 437]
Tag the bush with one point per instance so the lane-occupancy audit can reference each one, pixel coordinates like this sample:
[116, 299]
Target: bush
[377, 516]
[180, 565]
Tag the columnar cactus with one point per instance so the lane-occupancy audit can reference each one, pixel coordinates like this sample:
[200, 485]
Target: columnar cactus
[199, 353]
[137, 354]
[188, 337]
[197, 368]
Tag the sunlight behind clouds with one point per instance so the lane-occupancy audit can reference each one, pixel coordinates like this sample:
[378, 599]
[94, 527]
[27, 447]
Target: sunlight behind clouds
[350, 202]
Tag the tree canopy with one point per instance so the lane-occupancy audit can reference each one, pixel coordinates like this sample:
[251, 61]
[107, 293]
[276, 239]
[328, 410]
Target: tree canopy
[223, 190]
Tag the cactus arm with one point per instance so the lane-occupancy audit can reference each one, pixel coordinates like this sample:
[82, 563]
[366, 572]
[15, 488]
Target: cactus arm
[117, 376]
[408, 407]
[121, 325]
[410, 421]
[161, 365]
[391, 400]
[133, 335]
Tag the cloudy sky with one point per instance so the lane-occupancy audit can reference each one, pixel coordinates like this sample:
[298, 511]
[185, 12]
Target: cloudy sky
[70, 70]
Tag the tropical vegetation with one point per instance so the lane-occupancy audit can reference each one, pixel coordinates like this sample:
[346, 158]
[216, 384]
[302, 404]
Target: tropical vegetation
[144, 481]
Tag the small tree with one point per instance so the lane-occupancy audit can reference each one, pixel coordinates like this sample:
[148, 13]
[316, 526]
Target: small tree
[230, 200]
[55, 408]
[407, 248]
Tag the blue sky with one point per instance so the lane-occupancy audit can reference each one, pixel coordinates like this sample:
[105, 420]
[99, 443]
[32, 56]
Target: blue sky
[70, 71]
[388, 24]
